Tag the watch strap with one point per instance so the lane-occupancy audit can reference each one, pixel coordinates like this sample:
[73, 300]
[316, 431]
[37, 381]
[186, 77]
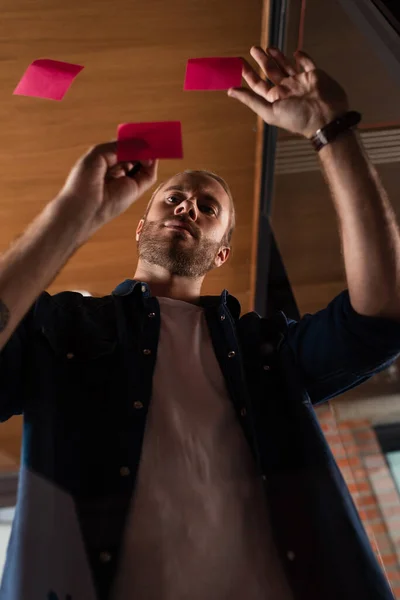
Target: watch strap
[332, 130]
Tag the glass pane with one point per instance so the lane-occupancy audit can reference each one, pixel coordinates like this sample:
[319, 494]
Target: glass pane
[393, 459]
[6, 518]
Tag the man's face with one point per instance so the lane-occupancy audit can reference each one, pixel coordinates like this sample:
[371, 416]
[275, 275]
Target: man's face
[184, 229]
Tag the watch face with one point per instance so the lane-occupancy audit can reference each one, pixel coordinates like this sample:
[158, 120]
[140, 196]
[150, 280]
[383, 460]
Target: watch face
[4, 316]
[319, 141]
[323, 139]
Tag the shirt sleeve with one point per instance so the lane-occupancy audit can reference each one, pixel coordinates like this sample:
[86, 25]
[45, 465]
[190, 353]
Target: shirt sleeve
[337, 349]
[14, 360]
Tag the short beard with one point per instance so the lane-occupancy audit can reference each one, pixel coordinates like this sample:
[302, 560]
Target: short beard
[172, 255]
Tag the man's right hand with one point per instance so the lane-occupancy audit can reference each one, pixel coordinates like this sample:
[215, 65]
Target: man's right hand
[98, 188]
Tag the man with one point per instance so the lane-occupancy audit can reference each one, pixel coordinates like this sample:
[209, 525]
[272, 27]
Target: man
[171, 450]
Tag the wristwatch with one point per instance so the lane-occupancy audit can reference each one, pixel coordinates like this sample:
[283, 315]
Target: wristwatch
[330, 132]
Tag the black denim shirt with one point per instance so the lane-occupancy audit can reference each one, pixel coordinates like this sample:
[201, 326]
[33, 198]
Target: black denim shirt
[80, 371]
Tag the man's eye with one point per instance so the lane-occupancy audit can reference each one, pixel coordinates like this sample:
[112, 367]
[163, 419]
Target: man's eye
[173, 199]
[209, 210]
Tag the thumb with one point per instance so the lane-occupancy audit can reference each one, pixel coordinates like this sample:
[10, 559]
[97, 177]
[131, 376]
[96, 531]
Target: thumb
[147, 174]
[258, 105]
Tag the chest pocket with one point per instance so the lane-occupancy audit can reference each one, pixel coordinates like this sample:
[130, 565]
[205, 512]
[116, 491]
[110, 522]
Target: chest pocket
[83, 365]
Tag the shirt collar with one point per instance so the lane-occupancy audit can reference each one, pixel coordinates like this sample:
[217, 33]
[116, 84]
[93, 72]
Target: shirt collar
[129, 286]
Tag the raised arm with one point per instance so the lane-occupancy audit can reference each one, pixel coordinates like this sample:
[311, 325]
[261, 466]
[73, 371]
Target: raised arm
[96, 191]
[302, 99]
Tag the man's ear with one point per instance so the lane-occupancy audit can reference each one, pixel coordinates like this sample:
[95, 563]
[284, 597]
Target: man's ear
[139, 229]
[222, 256]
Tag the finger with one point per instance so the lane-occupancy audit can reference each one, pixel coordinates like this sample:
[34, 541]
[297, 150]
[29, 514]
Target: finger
[147, 163]
[147, 174]
[116, 172]
[268, 65]
[139, 166]
[283, 62]
[253, 80]
[305, 61]
[98, 160]
[134, 170]
[278, 92]
[108, 151]
[122, 167]
[251, 99]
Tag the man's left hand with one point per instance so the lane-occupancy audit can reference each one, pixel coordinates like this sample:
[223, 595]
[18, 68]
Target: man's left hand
[297, 97]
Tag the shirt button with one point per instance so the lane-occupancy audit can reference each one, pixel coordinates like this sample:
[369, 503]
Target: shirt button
[264, 477]
[266, 367]
[105, 557]
[138, 404]
[151, 315]
[291, 555]
[124, 471]
[143, 288]
[146, 351]
[222, 317]
[231, 354]
[70, 355]
[243, 412]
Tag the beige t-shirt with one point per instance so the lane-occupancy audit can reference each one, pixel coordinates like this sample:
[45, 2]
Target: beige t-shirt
[198, 527]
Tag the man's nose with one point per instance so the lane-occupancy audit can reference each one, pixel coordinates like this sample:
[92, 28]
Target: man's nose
[189, 207]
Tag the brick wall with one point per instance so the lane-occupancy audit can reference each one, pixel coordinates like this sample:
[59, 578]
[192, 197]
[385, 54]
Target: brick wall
[358, 454]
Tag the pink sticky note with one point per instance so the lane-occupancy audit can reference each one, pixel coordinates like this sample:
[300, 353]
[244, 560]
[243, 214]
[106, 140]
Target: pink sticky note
[213, 73]
[143, 141]
[46, 78]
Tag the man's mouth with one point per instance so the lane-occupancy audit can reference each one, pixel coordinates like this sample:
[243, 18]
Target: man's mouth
[175, 224]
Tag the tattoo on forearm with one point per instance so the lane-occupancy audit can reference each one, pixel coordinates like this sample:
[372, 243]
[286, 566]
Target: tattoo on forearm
[4, 316]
